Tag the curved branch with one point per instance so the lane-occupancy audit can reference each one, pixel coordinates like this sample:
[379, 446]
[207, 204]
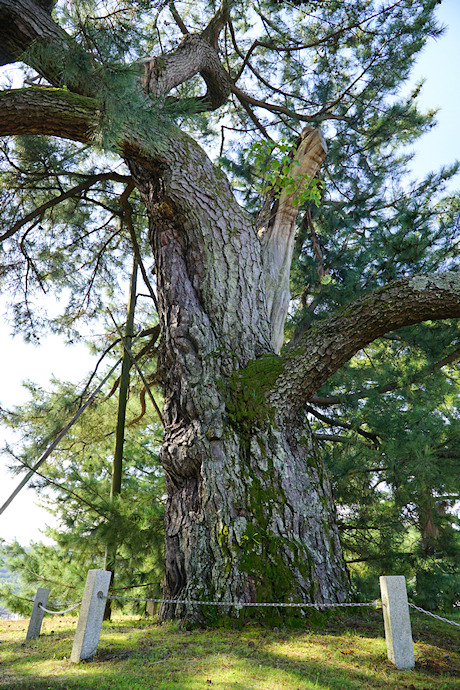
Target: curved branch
[332, 342]
[194, 55]
[271, 107]
[318, 116]
[212, 31]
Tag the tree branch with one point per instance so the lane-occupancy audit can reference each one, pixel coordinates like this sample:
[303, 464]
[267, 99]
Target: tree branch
[194, 55]
[53, 112]
[74, 191]
[139, 371]
[344, 425]
[61, 113]
[271, 107]
[212, 31]
[255, 120]
[307, 219]
[333, 341]
[177, 18]
[23, 22]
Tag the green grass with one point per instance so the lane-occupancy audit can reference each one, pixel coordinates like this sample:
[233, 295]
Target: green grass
[137, 654]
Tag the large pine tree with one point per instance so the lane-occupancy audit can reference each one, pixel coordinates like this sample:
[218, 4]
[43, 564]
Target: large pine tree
[250, 514]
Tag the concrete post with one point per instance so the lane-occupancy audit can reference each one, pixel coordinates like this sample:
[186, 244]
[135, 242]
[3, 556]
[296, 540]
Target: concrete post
[91, 614]
[396, 618]
[36, 617]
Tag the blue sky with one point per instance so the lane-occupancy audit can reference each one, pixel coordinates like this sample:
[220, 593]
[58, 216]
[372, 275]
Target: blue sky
[439, 64]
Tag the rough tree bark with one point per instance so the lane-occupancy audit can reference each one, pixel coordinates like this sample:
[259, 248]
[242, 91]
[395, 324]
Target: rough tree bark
[250, 514]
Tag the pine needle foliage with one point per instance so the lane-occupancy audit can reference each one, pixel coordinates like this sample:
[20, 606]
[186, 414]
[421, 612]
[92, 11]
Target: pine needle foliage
[74, 486]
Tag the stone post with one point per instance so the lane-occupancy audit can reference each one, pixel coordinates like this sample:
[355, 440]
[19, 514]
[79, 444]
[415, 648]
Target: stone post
[152, 608]
[36, 617]
[91, 614]
[396, 618]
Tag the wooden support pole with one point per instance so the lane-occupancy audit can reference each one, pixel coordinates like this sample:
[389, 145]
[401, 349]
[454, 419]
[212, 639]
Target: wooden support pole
[117, 465]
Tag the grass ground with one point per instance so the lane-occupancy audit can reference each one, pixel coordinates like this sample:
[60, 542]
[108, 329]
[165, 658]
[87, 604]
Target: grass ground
[346, 653]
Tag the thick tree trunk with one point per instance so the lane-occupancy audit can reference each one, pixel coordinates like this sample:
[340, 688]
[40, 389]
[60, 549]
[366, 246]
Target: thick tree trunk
[250, 516]
[251, 520]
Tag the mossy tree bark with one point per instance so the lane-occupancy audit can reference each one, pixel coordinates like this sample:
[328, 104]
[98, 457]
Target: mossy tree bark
[250, 515]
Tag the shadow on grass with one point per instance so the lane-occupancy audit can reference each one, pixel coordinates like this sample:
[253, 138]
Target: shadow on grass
[349, 654]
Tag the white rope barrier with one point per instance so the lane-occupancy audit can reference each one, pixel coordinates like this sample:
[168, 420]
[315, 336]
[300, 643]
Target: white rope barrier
[433, 615]
[71, 608]
[245, 604]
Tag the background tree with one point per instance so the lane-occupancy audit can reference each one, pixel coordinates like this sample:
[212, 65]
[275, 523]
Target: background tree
[250, 513]
[75, 488]
[393, 454]
[389, 419]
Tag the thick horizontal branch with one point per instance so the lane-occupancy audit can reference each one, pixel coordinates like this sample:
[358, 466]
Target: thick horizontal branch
[49, 111]
[328, 345]
[61, 113]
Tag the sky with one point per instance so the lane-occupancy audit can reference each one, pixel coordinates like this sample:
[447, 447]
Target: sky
[438, 64]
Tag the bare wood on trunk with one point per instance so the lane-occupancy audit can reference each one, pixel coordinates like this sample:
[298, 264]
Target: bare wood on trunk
[277, 232]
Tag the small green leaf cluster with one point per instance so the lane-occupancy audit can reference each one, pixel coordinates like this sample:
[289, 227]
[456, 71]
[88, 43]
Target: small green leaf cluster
[275, 164]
